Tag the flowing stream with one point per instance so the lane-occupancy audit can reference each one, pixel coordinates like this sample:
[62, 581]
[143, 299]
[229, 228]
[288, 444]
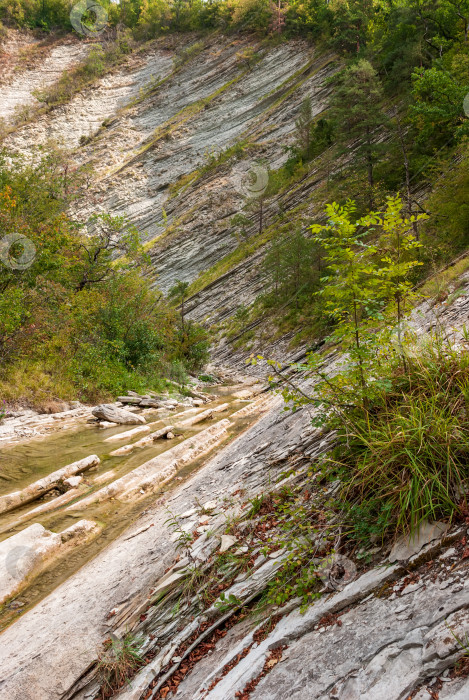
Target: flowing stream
[22, 465]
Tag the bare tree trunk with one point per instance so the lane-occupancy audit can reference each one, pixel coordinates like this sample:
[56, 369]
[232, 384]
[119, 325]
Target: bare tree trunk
[400, 133]
[360, 359]
[369, 161]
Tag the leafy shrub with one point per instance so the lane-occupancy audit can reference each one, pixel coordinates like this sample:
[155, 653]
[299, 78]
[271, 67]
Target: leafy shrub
[207, 378]
[177, 372]
[82, 316]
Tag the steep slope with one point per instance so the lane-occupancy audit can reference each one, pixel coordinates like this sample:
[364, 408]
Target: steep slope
[27, 66]
[172, 141]
[384, 633]
[171, 137]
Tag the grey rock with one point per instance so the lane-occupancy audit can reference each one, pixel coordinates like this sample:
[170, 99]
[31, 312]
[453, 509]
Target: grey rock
[189, 513]
[408, 546]
[150, 403]
[72, 481]
[227, 541]
[451, 552]
[133, 400]
[112, 414]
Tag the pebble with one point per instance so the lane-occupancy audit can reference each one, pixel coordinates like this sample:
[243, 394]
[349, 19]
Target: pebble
[210, 505]
[449, 553]
[227, 541]
[189, 513]
[242, 550]
[278, 553]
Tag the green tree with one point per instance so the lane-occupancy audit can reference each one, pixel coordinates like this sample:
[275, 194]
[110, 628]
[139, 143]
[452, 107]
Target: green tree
[358, 116]
[439, 93]
[350, 290]
[292, 265]
[397, 250]
[241, 223]
[111, 237]
[179, 293]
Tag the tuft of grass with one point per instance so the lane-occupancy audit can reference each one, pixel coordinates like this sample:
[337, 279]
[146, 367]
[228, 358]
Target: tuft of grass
[436, 287]
[117, 662]
[406, 459]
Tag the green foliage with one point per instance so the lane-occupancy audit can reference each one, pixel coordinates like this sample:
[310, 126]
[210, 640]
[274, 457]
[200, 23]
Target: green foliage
[226, 603]
[242, 223]
[193, 345]
[439, 94]
[207, 378]
[252, 15]
[312, 136]
[368, 264]
[301, 533]
[446, 233]
[292, 263]
[399, 407]
[405, 461]
[357, 114]
[81, 310]
[187, 53]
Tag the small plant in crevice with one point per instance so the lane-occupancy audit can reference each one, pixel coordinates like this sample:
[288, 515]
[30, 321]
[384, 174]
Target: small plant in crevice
[119, 660]
[226, 603]
[256, 505]
[183, 538]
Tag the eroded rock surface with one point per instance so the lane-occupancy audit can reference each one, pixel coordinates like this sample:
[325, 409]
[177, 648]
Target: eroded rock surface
[113, 414]
[387, 634]
[24, 555]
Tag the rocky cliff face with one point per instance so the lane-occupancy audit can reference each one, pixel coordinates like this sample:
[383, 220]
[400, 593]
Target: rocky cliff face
[158, 135]
[391, 631]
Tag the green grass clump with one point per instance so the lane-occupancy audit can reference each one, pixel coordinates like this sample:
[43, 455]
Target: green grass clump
[120, 659]
[406, 459]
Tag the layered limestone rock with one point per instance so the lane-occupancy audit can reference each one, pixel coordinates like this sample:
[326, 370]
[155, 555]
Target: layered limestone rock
[20, 85]
[157, 471]
[26, 554]
[39, 488]
[113, 414]
[157, 124]
[203, 415]
[389, 632]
